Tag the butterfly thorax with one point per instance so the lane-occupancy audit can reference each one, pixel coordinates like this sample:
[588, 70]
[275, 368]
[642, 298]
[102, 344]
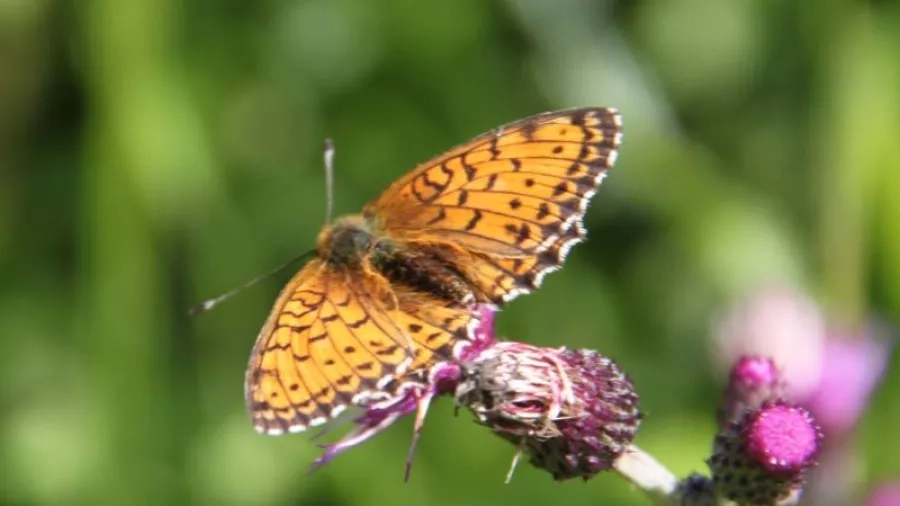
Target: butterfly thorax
[354, 241]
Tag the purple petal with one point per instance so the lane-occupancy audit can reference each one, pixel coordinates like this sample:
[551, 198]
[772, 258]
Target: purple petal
[887, 494]
[483, 335]
[778, 322]
[853, 368]
[369, 424]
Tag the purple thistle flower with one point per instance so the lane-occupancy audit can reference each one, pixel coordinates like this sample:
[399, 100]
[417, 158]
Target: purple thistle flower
[834, 375]
[762, 459]
[886, 494]
[853, 369]
[572, 412]
[782, 438]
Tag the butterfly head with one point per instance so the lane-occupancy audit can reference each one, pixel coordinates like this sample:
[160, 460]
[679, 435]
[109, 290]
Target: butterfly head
[348, 241]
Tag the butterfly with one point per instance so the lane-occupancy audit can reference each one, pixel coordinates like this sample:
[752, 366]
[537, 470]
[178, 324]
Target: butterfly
[392, 291]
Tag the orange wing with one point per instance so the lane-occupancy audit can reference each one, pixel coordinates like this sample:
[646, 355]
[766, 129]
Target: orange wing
[512, 199]
[338, 338]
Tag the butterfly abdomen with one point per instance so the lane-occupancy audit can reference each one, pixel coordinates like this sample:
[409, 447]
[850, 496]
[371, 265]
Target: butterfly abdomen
[427, 269]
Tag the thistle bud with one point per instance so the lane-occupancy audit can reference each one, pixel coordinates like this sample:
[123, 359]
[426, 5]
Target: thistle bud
[753, 381]
[762, 459]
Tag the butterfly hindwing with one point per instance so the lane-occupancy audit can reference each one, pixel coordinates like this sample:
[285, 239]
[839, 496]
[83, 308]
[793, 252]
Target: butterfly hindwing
[331, 342]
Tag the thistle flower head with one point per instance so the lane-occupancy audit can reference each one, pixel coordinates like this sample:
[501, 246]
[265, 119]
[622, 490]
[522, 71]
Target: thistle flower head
[570, 412]
[782, 438]
[762, 459]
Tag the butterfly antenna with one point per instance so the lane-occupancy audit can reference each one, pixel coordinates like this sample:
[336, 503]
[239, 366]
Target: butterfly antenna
[328, 154]
[215, 301]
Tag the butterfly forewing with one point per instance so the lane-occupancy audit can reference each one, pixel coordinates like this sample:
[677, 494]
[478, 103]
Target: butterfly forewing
[514, 198]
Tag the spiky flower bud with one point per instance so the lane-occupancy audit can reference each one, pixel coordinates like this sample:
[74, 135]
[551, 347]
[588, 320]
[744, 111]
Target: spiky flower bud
[753, 381]
[571, 412]
[762, 459]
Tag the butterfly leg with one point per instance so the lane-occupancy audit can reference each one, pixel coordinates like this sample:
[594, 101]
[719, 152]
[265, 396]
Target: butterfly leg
[369, 424]
[356, 437]
[424, 402]
[515, 462]
[437, 384]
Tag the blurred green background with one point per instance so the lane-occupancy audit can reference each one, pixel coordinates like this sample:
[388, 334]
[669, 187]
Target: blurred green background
[154, 153]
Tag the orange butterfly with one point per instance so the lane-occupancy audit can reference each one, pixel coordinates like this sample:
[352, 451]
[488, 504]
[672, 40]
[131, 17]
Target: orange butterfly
[392, 291]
